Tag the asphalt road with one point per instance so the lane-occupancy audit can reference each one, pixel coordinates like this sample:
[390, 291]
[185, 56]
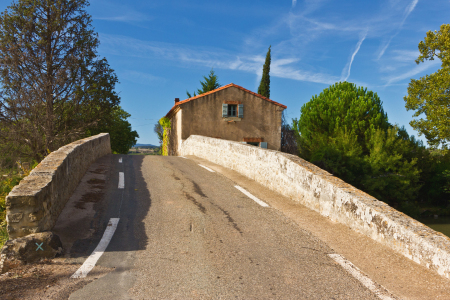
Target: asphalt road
[188, 233]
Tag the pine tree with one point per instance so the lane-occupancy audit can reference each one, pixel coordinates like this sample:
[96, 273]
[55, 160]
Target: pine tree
[54, 85]
[211, 83]
[264, 86]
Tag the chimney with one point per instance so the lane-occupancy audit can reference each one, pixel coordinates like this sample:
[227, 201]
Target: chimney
[177, 100]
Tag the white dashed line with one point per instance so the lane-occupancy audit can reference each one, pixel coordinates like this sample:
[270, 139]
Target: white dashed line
[377, 289]
[251, 196]
[90, 262]
[120, 160]
[121, 180]
[206, 168]
[183, 157]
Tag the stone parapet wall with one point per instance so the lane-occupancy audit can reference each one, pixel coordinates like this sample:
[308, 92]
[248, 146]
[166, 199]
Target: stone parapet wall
[35, 204]
[317, 189]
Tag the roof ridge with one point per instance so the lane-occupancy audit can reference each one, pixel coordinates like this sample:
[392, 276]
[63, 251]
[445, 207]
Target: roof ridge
[221, 88]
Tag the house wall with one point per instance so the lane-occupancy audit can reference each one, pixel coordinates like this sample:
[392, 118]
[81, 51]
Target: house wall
[262, 119]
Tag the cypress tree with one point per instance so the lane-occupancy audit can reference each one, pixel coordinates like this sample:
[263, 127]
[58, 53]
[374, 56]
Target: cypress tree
[264, 86]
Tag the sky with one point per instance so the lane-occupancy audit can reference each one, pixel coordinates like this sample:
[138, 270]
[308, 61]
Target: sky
[160, 49]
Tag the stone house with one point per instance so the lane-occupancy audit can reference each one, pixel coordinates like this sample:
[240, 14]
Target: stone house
[229, 112]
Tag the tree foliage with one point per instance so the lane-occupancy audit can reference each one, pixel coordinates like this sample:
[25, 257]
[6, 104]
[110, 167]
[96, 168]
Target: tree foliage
[264, 86]
[430, 95]
[341, 111]
[166, 125]
[159, 130]
[122, 137]
[54, 86]
[288, 139]
[345, 131]
[211, 83]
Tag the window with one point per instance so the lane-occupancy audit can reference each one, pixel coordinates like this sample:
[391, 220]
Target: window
[232, 110]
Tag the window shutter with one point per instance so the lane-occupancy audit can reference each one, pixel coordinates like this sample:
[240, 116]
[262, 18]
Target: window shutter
[263, 145]
[224, 110]
[241, 110]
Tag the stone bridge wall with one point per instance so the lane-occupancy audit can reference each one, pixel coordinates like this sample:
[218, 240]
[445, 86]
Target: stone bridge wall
[317, 189]
[35, 204]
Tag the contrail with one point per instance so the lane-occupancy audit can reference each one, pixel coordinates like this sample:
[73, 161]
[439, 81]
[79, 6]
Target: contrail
[408, 11]
[354, 54]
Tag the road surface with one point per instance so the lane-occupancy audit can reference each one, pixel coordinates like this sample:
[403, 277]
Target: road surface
[189, 229]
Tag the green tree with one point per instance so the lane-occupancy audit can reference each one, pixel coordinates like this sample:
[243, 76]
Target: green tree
[54, 86]
[121, 136]
[211, 83]
[341, 111]
[345, 131]
[429, 96]
[392, 178]
[264, 86]
[159, 130]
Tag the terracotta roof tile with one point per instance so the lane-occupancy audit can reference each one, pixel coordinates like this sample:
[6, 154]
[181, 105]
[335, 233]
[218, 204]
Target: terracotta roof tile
[222, 88]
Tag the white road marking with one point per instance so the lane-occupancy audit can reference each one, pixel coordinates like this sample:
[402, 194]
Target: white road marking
[90, 262]
[120, 160]
[206, 168]
[184, 157]
[251, 196]
[377, 289]
[121, 180]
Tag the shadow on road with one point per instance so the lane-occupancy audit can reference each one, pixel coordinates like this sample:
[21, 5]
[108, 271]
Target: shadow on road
[97, 199]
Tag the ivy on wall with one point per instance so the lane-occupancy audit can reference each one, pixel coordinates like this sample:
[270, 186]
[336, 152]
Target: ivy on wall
[166, 125]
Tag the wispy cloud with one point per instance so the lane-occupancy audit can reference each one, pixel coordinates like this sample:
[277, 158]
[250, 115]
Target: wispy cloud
[294, 2]
[127, 17]
[406, 55]
[349, 64]
[407, 12]
[210, 57]
[139, 77]
[412, 72]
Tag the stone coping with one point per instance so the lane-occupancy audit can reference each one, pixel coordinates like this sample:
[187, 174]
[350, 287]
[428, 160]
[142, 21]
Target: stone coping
[35, 204]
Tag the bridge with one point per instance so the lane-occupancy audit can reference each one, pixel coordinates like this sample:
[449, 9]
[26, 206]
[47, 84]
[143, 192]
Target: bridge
[222, 221]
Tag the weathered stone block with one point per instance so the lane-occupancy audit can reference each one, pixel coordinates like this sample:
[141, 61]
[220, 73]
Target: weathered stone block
[14, 218]
[28, 249]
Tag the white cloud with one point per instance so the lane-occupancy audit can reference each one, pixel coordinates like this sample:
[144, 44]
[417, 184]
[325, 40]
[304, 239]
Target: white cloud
[128, 17]
[409, 74]
[140, 77]
[349, 64]
[406, 55]
[407, 12]
[210, 57]
[294, 2]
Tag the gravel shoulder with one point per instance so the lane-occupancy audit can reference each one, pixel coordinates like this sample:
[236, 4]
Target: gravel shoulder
[47, 279]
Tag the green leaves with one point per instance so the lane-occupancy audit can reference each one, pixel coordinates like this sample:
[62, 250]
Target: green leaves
[211, 83]
[264, 86]
[121, 134]
[429, 96]
[345, 131]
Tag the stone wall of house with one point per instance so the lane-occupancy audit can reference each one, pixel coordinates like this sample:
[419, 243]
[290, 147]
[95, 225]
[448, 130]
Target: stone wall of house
[35, 204]
[203, 116]
[315, 188]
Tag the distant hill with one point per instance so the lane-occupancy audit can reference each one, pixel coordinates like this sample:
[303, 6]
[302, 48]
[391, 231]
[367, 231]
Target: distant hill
[145, 145]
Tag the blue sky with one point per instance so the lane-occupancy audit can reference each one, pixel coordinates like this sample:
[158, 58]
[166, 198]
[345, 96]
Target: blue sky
[160, 49]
